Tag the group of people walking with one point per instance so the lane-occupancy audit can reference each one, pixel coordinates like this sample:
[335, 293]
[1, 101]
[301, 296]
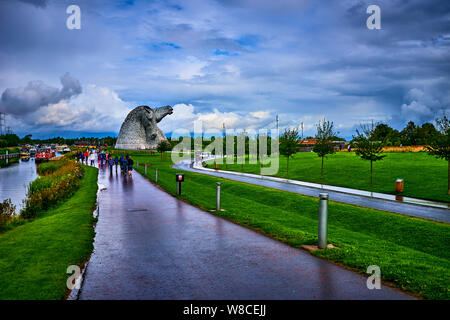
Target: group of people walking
[104, 158]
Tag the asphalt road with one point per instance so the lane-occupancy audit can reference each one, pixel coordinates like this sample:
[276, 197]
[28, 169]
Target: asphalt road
[150, 245]
[431, 213]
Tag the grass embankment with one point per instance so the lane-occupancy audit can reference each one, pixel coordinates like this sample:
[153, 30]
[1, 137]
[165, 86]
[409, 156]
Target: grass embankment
[10, 150]
[424, 176]
[413, 254]
[35, 255]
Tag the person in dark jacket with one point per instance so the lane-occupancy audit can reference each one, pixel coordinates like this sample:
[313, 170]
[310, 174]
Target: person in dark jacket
[110, 163]
[130, 165]
[125, 164]
[116, 161]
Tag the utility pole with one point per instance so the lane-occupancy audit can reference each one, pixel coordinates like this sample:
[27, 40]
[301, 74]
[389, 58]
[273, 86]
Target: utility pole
[2, 123]
[302, 130]
[278, 132]
[223, 141]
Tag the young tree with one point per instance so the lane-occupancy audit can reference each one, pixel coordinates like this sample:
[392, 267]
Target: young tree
[324, 144]
[367, 147]
[163, 146]
[289, 145]
[440, 146]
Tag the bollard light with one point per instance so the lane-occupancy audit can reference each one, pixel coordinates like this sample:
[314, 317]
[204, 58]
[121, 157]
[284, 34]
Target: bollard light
[156, 175]
[323, 220]
[145, 170]
[218, 196]
[179, 177]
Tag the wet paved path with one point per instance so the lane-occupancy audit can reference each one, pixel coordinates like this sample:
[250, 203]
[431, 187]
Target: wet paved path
[431, 213]
[150, 245]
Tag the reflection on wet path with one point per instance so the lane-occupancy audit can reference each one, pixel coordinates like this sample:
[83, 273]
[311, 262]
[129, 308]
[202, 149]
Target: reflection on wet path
[150, 245]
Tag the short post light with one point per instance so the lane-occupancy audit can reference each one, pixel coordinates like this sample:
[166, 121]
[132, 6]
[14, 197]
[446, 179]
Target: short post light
[218, 196]
[323, 220]
[156, 175]
[179, 178]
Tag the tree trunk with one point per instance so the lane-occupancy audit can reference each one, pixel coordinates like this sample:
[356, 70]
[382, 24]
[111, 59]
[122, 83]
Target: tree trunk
[321, 172]
[287, 167]
[371, 173]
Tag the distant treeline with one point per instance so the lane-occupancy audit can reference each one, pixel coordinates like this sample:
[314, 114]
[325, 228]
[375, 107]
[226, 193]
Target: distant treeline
[411, 135]
[11, 140]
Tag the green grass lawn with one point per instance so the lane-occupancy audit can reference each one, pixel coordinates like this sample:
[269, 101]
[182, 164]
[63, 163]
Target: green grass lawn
[424, 176]
[413, 254]
[35, 255]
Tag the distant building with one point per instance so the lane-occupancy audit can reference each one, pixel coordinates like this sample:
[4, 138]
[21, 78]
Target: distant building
[307, 145]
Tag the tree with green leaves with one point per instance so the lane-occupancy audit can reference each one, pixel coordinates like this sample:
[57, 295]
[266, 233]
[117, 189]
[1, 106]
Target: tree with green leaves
[440, 146]
[289, 145]
[324, 144]
[409, 134]
[367, 147]
[163, 146]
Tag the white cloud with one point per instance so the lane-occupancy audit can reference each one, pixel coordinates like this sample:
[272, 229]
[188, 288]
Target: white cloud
[97, 109]
[184, 116]
[421, 106]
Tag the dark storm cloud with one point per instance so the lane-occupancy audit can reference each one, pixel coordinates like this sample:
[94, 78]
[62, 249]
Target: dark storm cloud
[36, 94]
[300, 59]
[37, 3]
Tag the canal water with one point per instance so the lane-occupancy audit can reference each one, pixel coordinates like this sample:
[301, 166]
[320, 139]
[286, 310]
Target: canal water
[14, 180]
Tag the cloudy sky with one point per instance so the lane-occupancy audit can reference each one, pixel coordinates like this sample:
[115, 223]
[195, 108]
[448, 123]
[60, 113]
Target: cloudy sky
[235, 61]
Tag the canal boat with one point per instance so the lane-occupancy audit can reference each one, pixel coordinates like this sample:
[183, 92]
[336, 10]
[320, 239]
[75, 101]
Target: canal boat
[32, 152]
[24, 152]
[61, 148]
[44, 154]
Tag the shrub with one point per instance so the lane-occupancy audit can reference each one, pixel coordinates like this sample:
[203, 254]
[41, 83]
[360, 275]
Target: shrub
[49, 167]
[59, 181]
[7, 211]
